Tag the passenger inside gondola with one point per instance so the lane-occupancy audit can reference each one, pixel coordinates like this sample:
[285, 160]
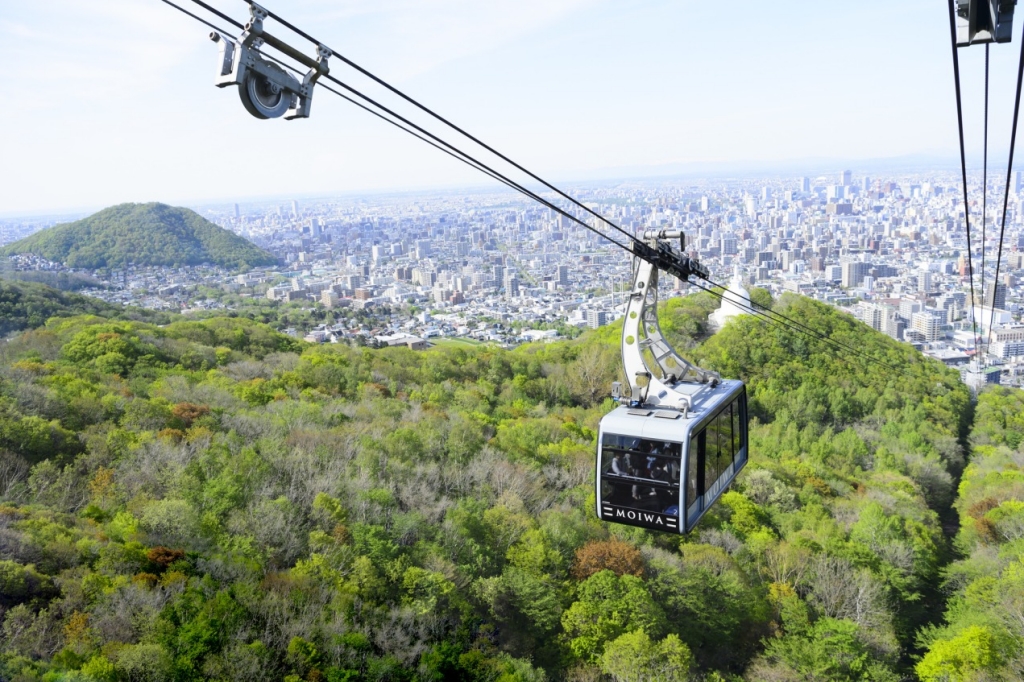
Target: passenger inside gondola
[640, 474]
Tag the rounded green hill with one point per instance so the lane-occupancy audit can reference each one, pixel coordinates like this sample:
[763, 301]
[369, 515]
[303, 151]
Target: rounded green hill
[142, 234]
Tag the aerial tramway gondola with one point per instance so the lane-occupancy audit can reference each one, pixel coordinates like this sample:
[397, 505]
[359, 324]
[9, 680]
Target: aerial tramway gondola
[673, 446]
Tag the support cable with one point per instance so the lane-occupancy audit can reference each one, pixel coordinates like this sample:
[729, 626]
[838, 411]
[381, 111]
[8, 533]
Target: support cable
[963, 168]
[214, 10]
[832, 344]
[1006, 189]
[199, 18]
[481, 165]
[984, 197]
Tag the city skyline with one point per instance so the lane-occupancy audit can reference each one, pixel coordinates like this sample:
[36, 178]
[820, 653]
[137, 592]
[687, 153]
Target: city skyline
[579, 90]
[492, 266]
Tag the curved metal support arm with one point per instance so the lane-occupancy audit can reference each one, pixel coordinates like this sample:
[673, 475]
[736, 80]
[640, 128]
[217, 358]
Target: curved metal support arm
[660, 383]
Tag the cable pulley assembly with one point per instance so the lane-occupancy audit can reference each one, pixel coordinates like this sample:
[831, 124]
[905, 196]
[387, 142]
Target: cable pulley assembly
[266, 89]
[984, 21]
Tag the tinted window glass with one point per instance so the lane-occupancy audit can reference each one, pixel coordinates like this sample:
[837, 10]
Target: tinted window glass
[711, 454]
[724, 444]
[725, 433]
[694, 479]
[736, 444]
[641, 474]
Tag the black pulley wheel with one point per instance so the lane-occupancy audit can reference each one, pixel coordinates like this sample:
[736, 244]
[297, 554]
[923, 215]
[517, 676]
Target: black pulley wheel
[264, 98]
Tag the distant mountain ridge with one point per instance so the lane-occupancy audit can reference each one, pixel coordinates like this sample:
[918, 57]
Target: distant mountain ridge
[142, 234]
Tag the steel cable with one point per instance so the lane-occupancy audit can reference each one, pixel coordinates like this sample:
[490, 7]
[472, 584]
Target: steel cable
[963, 168]
[1006, 189]
[454, 153]
[984, 193]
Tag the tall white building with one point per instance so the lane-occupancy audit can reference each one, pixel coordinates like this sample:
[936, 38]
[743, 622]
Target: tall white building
[928, 324]
[870, 314]
[422, 248]
[908, 307]
[924, 281]
[735, 302]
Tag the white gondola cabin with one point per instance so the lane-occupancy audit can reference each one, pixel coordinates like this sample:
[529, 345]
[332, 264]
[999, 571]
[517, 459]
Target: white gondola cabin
[679, 439]
[655, 463]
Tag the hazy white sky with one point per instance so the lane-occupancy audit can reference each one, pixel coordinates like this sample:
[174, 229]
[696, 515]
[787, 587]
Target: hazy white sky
[112, 100]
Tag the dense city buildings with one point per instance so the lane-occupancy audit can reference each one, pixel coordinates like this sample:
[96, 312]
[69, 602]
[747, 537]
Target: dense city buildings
[497, 267]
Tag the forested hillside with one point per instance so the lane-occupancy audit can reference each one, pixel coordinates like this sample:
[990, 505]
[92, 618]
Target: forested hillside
[982, 637]
[26, 305]
[213, 500]
[141, 234]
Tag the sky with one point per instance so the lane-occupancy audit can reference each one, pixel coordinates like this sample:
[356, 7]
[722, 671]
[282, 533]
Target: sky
[113, 100]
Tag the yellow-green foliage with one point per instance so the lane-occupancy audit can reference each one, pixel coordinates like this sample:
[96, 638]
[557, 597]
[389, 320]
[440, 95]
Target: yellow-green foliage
[981, 636]
[968, 656]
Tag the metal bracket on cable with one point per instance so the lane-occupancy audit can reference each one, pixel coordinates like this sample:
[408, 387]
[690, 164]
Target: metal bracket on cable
[266, 89]
[984, 21]
[657, 250]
